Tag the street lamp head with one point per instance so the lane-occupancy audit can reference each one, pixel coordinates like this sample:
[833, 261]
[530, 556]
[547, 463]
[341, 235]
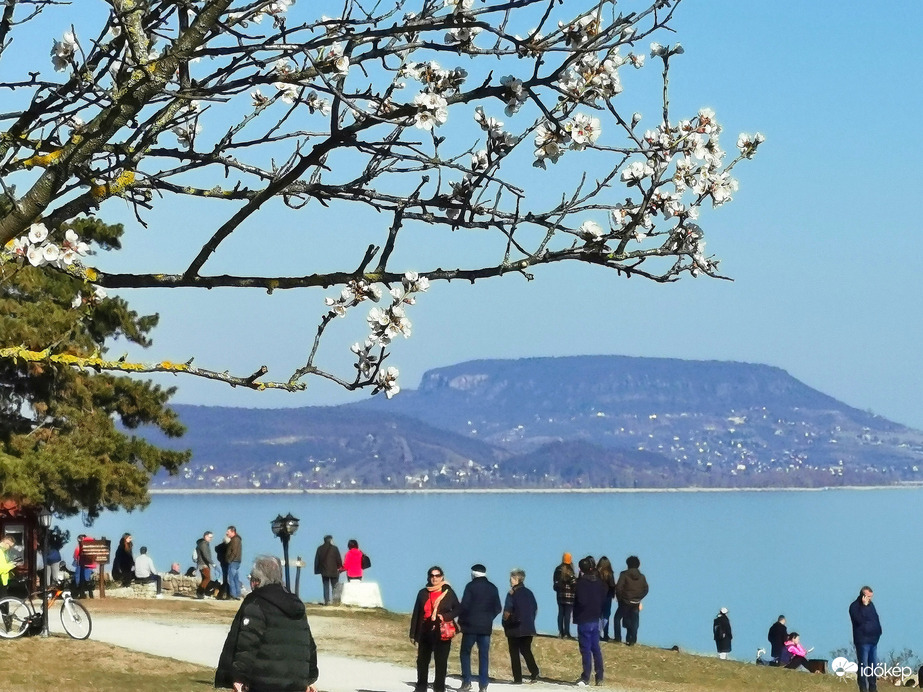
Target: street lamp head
[284, 526]
[44, 517]
[291, 524]
[278, 525]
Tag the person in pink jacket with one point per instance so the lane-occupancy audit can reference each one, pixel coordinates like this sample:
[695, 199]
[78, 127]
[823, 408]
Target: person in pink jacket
[797, 651]
[352, 561]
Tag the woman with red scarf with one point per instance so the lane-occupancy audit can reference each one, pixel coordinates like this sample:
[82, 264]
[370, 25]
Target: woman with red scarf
[436, 604]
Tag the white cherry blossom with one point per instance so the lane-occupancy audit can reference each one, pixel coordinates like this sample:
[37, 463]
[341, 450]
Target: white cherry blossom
[50, 252]
[35, 256]
[590, 230]
[63, 51]
[387, 381]
[37, 233]
[636, 172]
[584, 130]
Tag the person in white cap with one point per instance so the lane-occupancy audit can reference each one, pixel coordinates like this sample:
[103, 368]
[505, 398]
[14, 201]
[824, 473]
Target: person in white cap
[723, 636]
[480, 606]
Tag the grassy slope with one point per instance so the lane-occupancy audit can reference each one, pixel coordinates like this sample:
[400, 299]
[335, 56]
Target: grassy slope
[374, 635]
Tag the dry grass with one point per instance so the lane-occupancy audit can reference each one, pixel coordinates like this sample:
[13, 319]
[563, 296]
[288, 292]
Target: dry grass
[373, 635]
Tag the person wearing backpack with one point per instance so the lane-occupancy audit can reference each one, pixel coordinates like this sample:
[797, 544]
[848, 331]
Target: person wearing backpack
[353, 561]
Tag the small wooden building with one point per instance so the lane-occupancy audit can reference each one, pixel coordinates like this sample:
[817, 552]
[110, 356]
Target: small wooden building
[22, 523]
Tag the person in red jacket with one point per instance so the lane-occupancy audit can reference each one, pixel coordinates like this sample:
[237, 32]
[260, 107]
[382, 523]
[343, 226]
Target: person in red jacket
[352, 561]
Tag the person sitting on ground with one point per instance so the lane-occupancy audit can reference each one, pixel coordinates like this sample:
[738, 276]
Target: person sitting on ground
[798, 653]
[145, 572]
[174, 569]
[123, 565]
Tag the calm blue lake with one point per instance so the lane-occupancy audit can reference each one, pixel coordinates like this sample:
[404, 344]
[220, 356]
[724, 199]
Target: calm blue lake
[760, 554]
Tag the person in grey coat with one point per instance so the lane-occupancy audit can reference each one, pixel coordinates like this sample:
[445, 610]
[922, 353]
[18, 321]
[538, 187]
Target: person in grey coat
[327, 563]
[204, 562]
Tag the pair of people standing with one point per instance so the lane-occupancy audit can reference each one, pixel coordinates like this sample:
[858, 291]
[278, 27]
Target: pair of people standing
[232, 553]
[328, 564]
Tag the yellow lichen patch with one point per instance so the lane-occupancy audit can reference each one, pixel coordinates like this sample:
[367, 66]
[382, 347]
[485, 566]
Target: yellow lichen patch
[91, 274]
[42, 160]
[113, 187]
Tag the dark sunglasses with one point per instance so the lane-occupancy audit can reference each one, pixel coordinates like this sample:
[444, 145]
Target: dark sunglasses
[437, 574]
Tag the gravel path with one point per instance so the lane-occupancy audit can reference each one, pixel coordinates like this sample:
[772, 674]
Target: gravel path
[201, 643]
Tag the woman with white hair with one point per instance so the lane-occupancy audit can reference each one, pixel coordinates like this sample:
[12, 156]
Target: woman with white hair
[269, 647]
[519, 612]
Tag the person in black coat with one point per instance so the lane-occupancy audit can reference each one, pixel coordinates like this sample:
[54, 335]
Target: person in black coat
[721, 628]
[778, 633]
[269, 647]
[123, 564]
[480, 606]
[436, 603]
[866, 631]
[590, 594]
[519, 611]
[327, 563]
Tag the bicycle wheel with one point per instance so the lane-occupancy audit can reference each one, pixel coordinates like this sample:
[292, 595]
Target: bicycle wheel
[75, 619]
[14, 617]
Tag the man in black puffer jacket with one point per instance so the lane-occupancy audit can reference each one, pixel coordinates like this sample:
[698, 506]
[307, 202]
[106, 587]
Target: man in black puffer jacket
[269, 647]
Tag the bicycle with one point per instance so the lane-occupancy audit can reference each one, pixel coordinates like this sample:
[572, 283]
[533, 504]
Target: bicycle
[19, 617]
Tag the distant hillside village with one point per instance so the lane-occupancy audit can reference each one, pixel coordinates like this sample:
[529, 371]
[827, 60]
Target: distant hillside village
[580, 422]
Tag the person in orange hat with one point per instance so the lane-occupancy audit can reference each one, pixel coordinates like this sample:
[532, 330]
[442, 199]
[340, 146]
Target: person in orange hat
[564, 582]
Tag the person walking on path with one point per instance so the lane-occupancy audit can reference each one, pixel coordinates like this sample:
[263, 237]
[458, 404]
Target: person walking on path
[352, 562]
[722, 631]
[519, 611]
[436, 604]
[563, 582]
[233, 556]
[269, 647]
[777, 636]
[630, 590]
[204, 562]
[123, 564]
[866, 631]
[480, 605]
[589, 595]
[604, 569]
[145, 572]
[327, 563]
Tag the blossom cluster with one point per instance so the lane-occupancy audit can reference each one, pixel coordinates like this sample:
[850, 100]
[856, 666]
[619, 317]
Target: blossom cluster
[38, 248]
[387, 323]
[275, 9]
[432, 108]
[589, 79]
[552, 139]
[352, 294]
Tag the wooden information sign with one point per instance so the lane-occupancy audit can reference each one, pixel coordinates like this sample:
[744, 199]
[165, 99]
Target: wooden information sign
[95, 551]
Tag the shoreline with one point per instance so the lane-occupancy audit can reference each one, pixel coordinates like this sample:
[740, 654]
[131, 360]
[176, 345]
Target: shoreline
[506, 491]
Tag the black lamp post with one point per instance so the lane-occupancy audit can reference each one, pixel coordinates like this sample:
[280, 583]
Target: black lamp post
[44, 520]
[285, 527]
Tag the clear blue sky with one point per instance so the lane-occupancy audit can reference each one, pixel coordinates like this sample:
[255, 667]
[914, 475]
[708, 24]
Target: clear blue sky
[822, 238]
